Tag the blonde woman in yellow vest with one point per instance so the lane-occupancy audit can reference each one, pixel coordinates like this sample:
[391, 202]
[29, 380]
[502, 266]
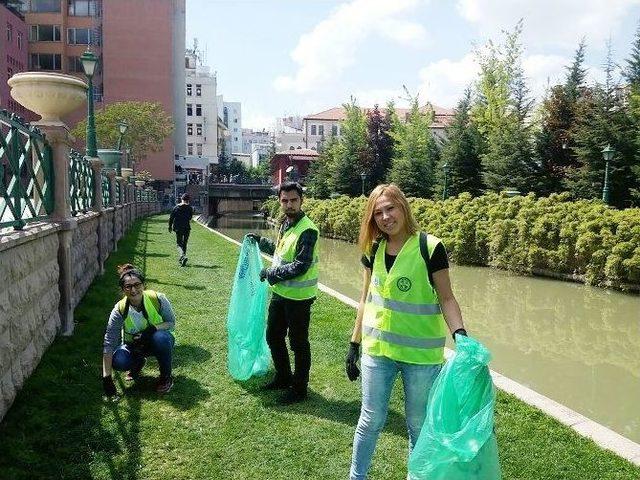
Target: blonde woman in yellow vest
[293, 278]
[141, 324]
[405, 310]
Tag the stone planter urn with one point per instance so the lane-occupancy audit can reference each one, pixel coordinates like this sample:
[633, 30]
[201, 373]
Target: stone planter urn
[110, 158]
[50, 95]
[126, 172]
[139, 183]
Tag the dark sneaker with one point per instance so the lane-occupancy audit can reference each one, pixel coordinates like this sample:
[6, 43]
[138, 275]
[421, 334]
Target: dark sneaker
[293, 396]
[164, 384]
[134, 373]
[277, 384]
[183, 261]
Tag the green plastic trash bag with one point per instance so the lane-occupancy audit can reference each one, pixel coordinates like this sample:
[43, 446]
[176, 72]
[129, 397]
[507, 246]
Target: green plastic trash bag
[457, 440]
[248, 353]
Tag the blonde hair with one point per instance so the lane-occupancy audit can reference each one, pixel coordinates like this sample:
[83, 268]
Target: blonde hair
[369, 230]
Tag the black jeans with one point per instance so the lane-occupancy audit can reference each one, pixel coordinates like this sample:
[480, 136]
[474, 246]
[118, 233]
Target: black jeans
[294, 316]
[182, 237]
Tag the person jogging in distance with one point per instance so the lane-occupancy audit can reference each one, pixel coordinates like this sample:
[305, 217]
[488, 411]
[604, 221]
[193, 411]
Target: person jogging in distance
[180, 222]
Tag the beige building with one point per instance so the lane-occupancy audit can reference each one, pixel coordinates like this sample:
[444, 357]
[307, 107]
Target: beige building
[318, 127]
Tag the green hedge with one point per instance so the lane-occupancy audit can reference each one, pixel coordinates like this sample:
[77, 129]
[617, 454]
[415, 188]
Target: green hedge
[599, 245]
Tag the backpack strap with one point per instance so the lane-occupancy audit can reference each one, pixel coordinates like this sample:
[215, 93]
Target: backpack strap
[424, 251]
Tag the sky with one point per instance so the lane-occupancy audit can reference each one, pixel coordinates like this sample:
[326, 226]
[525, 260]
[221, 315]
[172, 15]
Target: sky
[299, 57]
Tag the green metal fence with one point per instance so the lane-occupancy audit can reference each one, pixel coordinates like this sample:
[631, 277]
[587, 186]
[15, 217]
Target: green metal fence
[106, 190]
[80, 183]
[26, 173]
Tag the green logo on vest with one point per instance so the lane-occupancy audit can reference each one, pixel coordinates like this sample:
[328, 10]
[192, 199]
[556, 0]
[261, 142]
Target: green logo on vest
[403, 284]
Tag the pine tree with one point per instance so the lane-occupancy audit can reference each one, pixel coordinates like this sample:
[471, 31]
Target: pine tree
[632, 71]
[461, 152]
[379, 145]
[349, 164]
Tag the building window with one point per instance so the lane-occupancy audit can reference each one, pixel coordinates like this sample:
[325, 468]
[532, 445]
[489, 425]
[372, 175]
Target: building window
[44, 33]
[20, 40]
[313, 129]
[198, 110]
[198, 90]
[189, 128]
[292, 147]
[235, 139]
[198, 129]
[46, 61]
[82, 8]
[334, 130]
[321, 130]
[189, 148]
[74, 65]
[235, 120]
[235, 129]
[189, 109]
[45, 6]
[198, 149]
[81, 36]
[9, 33]
[188, 89]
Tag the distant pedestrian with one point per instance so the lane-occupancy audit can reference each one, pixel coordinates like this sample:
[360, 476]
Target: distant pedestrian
[141, 324]
[180, 222]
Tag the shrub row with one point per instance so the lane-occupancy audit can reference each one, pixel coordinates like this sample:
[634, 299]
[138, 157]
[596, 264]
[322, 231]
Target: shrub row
[550, 235]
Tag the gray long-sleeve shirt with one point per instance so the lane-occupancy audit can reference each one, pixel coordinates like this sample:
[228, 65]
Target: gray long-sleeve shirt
[113, 334]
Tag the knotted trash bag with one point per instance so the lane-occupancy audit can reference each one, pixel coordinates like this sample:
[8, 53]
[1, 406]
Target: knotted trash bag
[248, 353]
[457, 440]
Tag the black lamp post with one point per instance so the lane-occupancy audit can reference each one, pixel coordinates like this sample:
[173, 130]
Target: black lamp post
[89, 63]
[363, 177]
[122, 128]
[607, 154]
[445, 169]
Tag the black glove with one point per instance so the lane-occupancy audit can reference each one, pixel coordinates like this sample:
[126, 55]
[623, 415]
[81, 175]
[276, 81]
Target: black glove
[263, 274]
[108, 386]
[351, 361]
[147, 334]
[460, 331]
[254, 236]
[170, 229]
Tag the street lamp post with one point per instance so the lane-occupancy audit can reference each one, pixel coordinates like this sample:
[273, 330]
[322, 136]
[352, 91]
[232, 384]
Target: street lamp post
[122, 128]
[363, 176]
[607, 154]
[445, 168]
[89, 62]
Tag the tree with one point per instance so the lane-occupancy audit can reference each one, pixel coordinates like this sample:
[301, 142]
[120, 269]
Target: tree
[461, 152]
[319, 180]
[149, 126]
[632, 71]
[379, 144]
[602, 119]
[350, 162]
[502, 116]
[415, 152]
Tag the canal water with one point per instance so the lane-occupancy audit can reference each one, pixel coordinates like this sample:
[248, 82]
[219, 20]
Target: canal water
[576, 344]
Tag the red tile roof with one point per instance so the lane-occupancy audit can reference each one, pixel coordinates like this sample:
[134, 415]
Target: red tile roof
[442, 118]
[301, 152]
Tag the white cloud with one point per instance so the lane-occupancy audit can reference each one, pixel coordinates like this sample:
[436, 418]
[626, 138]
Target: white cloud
[444, 81]
[550, 22]
[324, 53]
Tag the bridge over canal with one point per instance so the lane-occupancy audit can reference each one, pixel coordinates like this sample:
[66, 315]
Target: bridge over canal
[237, 197]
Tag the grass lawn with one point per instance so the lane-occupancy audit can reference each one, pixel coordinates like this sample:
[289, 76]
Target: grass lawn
[212, 427]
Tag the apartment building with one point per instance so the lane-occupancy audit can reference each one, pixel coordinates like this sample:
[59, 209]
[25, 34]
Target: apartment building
[140, 45]
[319, 126]
[14, 55]
[231, 115]
[251, 137]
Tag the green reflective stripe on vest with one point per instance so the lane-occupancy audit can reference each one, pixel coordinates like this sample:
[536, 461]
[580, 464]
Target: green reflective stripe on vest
[404, 340]
[304, 286]
[404, 307]
[402, 316]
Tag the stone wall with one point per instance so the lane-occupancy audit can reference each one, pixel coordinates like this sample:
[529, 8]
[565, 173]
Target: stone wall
[32, 293]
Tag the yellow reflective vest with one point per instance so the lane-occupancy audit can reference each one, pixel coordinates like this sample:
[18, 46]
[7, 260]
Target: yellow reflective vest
[304, 286]
[151, 306]
[402, 317]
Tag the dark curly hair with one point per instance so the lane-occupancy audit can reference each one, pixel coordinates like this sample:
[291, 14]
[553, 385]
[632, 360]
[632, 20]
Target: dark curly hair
[129, 269]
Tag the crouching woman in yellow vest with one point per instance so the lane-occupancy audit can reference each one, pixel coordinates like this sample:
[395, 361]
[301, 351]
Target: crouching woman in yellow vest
[406, 300]
[141, 324]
